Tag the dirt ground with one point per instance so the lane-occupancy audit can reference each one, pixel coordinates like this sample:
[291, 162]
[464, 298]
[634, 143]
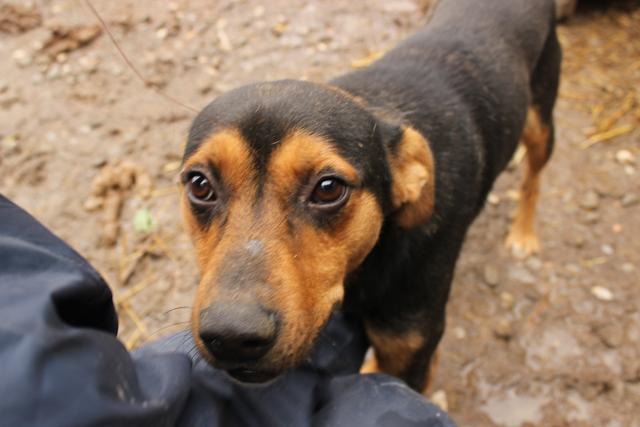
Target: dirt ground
[91, 152]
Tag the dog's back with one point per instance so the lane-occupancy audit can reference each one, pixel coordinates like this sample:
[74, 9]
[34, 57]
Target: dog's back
[466, 81]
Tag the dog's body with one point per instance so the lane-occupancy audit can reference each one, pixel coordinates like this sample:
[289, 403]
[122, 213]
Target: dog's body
[402, 155]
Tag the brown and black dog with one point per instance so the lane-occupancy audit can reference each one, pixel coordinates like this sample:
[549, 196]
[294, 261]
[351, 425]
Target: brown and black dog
[302, 197]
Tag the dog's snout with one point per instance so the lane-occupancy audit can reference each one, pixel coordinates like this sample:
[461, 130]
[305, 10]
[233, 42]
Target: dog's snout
[237, 332]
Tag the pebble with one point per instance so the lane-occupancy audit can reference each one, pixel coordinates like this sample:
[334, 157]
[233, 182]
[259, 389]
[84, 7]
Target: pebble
[507, 300]
[459, 332]
[205, 85]
[491, 275]
[607, 249]
[162, 33]
[89, 64]
[629, 199]
[625, 157]
[22, 57]
[627, 267]
[503, 328]
[493, 199]
[590, 200]
[602, 293]
[54, 72]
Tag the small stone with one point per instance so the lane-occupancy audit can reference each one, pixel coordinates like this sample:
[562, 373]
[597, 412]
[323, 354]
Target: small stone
[98, 162]
[54, 72]
[204, 85]
[590, 200]
[89, 64]
[507, 300]
[162, 33]
[607, 249]
[627, 267]
[625, 157]
[493, 199]
[602, 293]
[22, 57]
[579, 241]
[629, 199]
[459, 332]
[439, 398]
[503, 328]
[491, 275]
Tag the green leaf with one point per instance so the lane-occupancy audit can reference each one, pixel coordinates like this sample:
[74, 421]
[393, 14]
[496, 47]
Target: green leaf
[144, 222]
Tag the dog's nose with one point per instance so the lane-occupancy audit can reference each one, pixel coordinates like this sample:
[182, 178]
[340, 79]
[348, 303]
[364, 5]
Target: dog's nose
[237, 332]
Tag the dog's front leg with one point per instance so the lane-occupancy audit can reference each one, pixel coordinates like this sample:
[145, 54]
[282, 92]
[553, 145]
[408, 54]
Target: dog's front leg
[409, 354]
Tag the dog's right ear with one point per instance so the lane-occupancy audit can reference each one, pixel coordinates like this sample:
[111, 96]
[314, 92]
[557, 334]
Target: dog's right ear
[412, 179]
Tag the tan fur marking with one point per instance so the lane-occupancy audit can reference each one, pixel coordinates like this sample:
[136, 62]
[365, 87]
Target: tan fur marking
[413, 175]
[311, 264]
[400, 350]
[228, 152]
[394, 353]
[432, 372]
[522, 238]
[370, 365]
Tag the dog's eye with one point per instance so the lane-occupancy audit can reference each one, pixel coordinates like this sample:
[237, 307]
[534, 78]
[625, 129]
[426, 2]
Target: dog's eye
[200, 188]
[329, 192]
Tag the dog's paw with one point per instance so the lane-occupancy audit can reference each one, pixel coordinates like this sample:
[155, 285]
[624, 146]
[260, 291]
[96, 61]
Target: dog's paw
[522, 244]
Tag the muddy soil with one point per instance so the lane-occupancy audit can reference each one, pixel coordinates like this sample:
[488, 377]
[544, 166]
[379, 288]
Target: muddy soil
[93, 153]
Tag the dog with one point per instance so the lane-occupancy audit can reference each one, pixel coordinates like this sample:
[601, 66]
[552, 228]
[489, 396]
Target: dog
[303, 197]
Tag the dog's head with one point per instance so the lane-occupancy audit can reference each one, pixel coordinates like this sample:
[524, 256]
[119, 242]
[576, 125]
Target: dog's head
[286, 188]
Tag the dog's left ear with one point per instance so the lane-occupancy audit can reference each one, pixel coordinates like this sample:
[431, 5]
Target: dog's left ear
[412, 179]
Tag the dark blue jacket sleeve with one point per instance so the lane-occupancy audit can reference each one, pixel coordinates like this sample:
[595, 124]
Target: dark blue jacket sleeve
[62, 365]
